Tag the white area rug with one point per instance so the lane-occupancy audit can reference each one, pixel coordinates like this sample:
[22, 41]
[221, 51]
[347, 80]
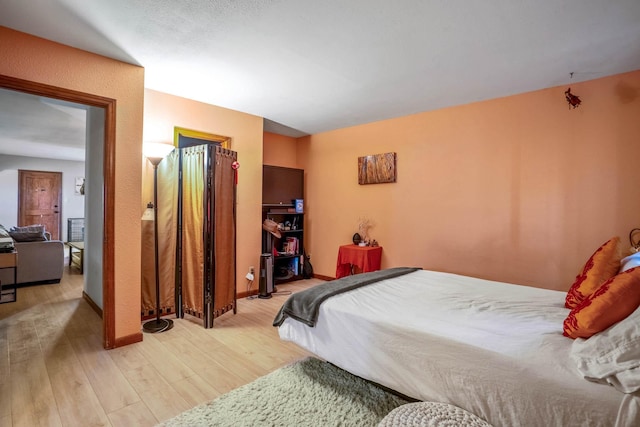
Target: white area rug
[306, 393]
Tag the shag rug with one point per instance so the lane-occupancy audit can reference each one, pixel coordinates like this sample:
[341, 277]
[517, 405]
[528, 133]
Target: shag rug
[306, 393]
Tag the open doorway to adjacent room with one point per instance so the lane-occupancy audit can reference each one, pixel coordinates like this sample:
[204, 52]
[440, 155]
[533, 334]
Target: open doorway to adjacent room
[97, 176]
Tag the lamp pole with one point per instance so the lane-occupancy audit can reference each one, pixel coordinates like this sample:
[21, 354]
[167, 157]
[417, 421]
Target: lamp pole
[155, 154]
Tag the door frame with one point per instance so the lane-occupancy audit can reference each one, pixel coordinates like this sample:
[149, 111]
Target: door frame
[108, 249]
[21, 191]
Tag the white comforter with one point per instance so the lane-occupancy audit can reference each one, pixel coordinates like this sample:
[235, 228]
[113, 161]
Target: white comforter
[491, 348]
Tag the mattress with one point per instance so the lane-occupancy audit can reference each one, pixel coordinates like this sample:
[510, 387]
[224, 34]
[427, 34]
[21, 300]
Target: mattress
[491, 348]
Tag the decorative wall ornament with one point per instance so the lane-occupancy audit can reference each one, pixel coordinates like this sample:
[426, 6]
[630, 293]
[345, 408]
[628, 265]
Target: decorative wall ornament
[79, 185]
[235, 166]
[377, 168]
[573, 100]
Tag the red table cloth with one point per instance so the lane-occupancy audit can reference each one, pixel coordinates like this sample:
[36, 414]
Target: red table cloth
[367, 258]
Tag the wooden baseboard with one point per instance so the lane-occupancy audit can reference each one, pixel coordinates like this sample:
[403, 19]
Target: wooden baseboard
[119, 342]
[129, 339]
[245, 294]
[92, 304]
[42, 282]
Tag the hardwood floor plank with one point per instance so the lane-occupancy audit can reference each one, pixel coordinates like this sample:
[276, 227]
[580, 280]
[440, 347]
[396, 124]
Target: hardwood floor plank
[145, 378]
[83, 320]
[32, 397]
[195, 390]
[133, 415]
[76, 399]
[218, 375]
[167, 365]
[5, 375]
[110, 385]
[232, 359]
[164, 403]
[127, 358]
[23, 341]
[54, 371]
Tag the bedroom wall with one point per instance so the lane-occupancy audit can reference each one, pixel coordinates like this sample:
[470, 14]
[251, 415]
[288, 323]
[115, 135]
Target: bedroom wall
[72, 203]
[519, 189]
[162, 112]
[280, 150]
[39, 60]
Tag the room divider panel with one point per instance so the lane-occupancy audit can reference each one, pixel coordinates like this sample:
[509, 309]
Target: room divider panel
[197, 232]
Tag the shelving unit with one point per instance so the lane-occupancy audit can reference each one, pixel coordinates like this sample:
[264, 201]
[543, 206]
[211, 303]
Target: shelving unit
[288, 250]
[282, 188]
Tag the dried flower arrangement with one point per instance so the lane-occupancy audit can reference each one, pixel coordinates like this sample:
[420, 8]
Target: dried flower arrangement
[364, 225]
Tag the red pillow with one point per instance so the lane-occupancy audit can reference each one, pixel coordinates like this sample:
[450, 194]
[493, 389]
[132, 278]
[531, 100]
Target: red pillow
[617, 298]
[602, 266]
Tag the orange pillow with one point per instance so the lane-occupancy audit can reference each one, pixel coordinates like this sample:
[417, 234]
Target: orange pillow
[617, 298]
[602, 266]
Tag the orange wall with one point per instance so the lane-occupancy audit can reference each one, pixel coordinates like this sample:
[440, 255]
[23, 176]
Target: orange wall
[162, 112]
[519, 189]
[280, 150]
[35, 59]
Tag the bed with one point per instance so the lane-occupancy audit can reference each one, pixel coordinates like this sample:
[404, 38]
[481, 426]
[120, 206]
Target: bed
[494, 349]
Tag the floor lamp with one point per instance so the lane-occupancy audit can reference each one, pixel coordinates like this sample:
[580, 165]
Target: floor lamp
[155, 152]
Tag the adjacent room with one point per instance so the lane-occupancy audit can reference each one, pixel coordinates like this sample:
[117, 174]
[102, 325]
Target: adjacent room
[461, 176]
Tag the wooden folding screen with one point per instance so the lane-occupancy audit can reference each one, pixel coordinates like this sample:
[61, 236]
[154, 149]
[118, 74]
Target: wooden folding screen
[206, 273]
[197, 234]
[191, 216]
[223, 233]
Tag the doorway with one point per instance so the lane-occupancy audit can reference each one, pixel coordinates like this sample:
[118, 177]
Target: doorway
[40, 200]
[106, 156]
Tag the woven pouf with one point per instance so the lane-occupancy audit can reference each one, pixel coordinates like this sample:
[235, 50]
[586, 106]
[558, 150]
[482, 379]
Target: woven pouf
[431, 414]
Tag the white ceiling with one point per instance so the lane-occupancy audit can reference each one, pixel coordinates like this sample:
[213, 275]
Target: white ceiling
[34, 126]
[309, 66]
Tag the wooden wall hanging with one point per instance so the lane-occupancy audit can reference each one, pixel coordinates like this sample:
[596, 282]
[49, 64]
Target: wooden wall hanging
[377, 168]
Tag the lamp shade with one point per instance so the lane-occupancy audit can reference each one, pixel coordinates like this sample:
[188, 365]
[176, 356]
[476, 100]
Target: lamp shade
[148, 214]
[156, 151]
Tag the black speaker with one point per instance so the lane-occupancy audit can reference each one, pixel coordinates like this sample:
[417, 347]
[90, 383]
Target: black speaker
[266, 276]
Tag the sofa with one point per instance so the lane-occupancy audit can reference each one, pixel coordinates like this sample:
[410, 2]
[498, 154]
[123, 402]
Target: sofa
[39, 261]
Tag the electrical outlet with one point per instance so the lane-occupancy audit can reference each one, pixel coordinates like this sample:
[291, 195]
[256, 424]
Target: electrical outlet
[251, 270]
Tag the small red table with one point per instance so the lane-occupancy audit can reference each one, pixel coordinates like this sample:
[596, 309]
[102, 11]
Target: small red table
[367, 258]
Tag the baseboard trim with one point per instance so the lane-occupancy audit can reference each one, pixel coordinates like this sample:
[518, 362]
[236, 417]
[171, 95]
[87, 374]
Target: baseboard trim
[129, 339]
[252, 292]
[92, 304]
[38, 283]
[245, 294]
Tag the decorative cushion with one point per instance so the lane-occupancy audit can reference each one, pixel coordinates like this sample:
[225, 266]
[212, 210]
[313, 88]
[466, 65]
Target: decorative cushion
[431, 414]
[616, 299]
[3, 231]
[600, 267]
[30, 233]
[630, 262]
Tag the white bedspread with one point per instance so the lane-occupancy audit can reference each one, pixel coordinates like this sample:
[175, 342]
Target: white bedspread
[491, 348]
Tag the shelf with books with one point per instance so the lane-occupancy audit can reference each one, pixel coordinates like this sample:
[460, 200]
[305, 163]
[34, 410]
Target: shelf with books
[287, 249]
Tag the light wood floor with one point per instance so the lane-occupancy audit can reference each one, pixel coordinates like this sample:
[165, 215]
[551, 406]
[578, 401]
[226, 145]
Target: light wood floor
[54, 371]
